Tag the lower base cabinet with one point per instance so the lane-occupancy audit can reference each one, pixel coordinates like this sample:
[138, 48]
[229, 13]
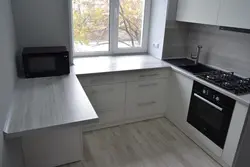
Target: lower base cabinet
[108, 101]
[179, 99]
[146, 98]
[177, 111]
[126, 96]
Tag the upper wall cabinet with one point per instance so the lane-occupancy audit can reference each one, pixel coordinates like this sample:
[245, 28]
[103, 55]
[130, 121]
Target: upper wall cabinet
[198, 11]
[235, 13]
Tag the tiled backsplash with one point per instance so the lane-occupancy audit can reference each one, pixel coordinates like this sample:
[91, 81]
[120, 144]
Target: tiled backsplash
[175, 42]
[224, 49]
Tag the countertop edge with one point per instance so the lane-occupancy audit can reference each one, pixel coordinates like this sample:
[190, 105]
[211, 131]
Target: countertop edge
[49, 128]
[124, 70]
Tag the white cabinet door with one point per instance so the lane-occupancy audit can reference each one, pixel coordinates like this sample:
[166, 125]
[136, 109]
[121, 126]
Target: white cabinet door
[108, 101]
[179, 99]
[198, 11]
[234, 133]
[146, 98]
[234, 13]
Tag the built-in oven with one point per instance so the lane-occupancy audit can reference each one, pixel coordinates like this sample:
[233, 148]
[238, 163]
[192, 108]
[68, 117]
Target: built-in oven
[210, 113]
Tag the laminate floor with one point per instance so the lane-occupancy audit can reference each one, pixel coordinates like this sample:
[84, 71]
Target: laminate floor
[152, 143]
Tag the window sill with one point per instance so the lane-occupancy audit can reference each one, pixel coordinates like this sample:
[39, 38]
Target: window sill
[105, 64]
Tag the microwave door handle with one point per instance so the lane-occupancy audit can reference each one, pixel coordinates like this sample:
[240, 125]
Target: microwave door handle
[208, 102]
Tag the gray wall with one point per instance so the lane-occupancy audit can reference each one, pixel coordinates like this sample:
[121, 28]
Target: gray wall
[171, 35]
[227, 50]
[176, 34]
[42, 22]
[7, 66]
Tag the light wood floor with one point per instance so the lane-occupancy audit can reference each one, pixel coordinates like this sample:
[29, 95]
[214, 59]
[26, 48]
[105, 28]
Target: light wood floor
[152, 143]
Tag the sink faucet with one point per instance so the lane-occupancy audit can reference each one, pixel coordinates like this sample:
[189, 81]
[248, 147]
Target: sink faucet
[196, 58]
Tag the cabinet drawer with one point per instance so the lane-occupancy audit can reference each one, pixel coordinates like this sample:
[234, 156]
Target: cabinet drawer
[146, 98]
[147, 74]
[100, 79]
[106, 98]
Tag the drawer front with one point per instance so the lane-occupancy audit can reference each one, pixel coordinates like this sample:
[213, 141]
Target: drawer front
[100, 79]
[146, 98]
[147, 74]
[107, 98]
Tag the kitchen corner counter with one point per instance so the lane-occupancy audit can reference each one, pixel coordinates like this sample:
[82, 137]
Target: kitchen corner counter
[105, 64]
[244, 99]
[42, 103]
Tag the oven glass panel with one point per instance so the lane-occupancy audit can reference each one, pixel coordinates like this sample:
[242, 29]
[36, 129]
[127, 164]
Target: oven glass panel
[42, 64]
[209, 114]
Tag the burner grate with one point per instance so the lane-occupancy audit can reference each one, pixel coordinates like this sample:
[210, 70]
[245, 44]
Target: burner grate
[227, 81]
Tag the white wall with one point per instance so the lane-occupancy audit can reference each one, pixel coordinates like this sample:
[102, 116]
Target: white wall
[157, 26]
[7, 64]
[42, 22]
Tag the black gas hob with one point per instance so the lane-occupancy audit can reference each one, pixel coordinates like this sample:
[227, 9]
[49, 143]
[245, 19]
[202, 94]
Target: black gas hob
[227, 81]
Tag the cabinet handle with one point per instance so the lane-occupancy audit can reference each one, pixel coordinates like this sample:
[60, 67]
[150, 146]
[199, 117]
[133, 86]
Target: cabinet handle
[102, 79]
[149, 75]
[102, 91]
[146, 103]
[146, 85]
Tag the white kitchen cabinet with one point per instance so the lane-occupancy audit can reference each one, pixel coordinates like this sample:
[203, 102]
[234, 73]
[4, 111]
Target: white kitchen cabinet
[108, 101]
[198, 11]
[146, 98]
[234, 133]
[122, 97]
[234, 13]
[101, 79]
[179, 99]
[147, 75]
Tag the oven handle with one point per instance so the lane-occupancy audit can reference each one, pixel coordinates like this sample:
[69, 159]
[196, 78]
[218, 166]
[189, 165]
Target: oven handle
[208, 102]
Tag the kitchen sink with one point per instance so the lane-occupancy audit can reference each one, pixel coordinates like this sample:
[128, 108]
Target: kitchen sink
[180, 61]
[197, 68]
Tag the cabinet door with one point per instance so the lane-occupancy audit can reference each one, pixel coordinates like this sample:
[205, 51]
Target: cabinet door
[179, 99]
[108, 101]
[234, 13]
[146, 98]
[198, 11]
[234, 133]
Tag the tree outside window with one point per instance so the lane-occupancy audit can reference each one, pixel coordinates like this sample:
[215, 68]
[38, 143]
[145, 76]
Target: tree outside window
[91, 24]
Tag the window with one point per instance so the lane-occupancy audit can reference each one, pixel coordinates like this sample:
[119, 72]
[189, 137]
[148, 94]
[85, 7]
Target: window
[110, 26]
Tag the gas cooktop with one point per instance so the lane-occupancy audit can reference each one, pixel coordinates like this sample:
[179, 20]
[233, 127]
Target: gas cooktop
[227, 81]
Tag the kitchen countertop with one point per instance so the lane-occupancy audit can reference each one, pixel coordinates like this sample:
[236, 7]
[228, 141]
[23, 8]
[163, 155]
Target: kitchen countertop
[104, 64]
[42, 103]
[244, 99]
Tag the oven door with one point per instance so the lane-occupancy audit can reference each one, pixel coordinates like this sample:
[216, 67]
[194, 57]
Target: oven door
[209, 118]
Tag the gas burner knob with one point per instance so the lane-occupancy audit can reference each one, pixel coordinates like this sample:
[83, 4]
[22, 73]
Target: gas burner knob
[204, 91]
[217, 98]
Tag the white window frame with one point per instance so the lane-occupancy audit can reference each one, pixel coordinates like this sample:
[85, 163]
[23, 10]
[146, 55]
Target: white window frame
[113, 37]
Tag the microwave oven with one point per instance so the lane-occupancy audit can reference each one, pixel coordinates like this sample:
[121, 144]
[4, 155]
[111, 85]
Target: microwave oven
[45, 61]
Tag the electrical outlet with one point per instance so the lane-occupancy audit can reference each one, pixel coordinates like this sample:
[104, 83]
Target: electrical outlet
[156, 45]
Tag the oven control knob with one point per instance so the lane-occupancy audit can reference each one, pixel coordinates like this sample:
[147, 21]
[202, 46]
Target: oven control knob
[204, 91]
[217, 98]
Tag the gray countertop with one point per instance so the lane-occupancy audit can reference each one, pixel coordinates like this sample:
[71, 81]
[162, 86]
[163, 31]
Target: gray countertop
[103, 64]
[43, 103]
[47, 102]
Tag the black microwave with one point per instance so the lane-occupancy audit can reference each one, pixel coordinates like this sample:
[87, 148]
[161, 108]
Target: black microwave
[45, 61]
